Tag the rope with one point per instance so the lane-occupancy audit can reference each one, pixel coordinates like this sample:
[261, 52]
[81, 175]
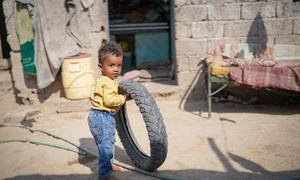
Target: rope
[80, 150]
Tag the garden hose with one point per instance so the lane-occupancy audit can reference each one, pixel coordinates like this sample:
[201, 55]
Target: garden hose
[79, 150]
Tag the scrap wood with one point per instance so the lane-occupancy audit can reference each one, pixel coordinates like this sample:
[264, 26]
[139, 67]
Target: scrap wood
[147, 75]
[131, 75]
[152, 74]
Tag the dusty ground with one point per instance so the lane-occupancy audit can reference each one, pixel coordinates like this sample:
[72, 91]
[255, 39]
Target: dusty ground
[238, 142]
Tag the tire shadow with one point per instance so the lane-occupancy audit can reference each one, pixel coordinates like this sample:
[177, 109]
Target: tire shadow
[91, 161]
[121, 156]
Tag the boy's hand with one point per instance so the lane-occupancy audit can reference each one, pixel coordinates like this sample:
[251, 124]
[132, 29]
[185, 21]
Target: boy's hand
[127, 97]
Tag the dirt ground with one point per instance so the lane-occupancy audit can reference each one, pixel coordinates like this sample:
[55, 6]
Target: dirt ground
[237, 142]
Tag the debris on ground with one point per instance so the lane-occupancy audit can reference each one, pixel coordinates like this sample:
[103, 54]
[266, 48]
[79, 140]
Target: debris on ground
[18, 116]
[153, 75]
[150, 72]
[132, 75]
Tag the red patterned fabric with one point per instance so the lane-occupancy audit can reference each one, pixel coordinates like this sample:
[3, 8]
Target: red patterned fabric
[284, 75]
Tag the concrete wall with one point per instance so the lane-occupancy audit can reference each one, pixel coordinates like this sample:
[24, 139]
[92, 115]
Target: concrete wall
[201, 24]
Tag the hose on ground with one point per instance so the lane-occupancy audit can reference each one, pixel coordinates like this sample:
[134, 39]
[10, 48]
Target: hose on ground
[79, 150]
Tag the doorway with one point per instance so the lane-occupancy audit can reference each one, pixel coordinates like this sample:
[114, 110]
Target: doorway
[4, 47]
[145, 31]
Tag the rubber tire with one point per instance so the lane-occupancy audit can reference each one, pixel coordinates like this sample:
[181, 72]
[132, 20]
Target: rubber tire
[154, 125]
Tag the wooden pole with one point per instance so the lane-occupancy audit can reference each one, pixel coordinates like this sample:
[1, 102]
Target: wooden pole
[1, 53]
[208, 90]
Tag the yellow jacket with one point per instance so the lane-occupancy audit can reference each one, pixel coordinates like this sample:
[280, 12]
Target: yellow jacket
[105, 95]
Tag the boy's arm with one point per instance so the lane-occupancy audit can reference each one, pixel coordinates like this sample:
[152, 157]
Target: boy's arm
[111, 98]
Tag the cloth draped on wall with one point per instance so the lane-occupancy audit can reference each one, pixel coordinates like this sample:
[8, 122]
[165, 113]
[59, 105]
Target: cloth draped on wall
[55, 38]
[52, 42]
[58, 28]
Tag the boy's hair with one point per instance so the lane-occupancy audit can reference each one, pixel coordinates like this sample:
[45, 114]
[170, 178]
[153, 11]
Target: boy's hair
[111, 48]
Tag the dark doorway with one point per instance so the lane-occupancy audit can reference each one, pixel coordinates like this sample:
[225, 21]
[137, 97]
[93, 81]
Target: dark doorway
[5, 49]
[143, 28]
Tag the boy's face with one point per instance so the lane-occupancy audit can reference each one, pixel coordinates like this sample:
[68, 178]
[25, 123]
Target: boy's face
[111, 66]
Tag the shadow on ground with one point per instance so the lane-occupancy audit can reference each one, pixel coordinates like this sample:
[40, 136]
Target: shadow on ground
[198, 107]
[191, 174]
[255, 171]
[92, 161]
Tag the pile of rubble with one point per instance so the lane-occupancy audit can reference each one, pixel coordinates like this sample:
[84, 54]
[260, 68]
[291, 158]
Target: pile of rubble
[150, 72]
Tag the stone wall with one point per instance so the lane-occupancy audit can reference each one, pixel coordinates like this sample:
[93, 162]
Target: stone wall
[201, 24]
[24, 85]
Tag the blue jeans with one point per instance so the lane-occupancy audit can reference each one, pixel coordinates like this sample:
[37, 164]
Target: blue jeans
[102, 125]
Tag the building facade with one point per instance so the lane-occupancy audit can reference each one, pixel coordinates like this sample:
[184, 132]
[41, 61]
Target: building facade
[196, 27]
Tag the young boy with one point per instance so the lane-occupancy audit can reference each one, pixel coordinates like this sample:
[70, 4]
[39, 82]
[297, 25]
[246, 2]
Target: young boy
[105, 102]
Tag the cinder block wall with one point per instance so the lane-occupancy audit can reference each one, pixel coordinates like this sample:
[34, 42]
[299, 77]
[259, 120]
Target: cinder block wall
[201, 24]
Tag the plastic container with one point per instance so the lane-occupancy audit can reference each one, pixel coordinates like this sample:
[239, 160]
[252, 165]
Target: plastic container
[78, 76]
[219, 71]
[27, 54]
